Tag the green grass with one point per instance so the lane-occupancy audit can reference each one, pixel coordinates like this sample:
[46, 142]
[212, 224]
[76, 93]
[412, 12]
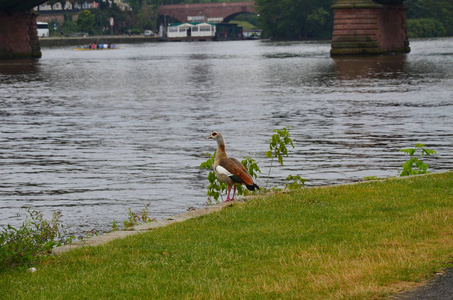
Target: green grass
[361, 241]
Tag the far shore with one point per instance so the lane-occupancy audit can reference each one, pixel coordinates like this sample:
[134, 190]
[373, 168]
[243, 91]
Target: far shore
[98, 39]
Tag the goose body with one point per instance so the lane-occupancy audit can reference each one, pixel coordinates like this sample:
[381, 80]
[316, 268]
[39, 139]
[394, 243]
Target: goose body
[230, 170]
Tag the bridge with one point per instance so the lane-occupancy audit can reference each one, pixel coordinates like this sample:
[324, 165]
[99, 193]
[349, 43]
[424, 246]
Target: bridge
[360, 26]
[224, 11]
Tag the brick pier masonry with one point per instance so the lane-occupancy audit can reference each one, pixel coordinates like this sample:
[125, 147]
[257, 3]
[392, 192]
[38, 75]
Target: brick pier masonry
[18, 36]
[370, 28]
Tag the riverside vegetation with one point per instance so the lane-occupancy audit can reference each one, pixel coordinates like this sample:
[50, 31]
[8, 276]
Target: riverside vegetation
[34, 240]
[20, 246]
[360, 241]
[414, 165]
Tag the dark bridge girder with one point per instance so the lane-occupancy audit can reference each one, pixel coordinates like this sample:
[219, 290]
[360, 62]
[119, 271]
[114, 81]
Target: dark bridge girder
[19, 36]
[14, 5]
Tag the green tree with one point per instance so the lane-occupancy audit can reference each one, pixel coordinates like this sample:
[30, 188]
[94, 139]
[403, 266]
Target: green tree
[85, 21]
[68, 24]
[316, 23]
[147, 17]
[296, 19]
[135, 5]
[107, 11]
[425, 28]
[438, 12]
[146, 13]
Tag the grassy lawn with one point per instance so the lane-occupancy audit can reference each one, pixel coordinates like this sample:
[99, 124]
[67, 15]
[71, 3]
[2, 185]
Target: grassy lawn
[361, 241]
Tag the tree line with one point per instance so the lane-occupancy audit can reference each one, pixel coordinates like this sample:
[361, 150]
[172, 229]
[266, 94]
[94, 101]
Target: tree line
[430, 18]
[282, 19]
[97, 21]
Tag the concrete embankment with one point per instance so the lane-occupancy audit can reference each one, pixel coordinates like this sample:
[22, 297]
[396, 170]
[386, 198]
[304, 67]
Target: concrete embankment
[104, 39]
[105, 238]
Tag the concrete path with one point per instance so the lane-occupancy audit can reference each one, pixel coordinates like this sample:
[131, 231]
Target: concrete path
[440, 288]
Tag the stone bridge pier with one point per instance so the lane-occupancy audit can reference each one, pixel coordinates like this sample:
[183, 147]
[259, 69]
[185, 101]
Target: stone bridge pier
[369, 27]
[18, 33]
[19, 36]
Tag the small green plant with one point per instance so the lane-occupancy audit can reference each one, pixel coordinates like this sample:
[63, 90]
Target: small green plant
[216, 187]
[252, 168]
[278, 147]
[295, 182]
[88, 234]
[115, 226]
[415, 165]
[138, 218]
[21, 246]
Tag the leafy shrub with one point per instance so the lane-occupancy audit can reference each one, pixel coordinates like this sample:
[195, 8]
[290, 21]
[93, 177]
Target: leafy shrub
[215, 187]
[414, 165]
[20, 246]
[278, 147]
[295, 182]
[280, 139]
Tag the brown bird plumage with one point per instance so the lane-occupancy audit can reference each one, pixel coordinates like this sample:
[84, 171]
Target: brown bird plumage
[230, 170]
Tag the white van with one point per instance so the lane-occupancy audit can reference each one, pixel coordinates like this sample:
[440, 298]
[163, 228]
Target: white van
[43, 29]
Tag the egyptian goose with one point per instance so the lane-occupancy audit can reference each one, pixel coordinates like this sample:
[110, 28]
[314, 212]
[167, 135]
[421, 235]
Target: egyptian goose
[230, 170]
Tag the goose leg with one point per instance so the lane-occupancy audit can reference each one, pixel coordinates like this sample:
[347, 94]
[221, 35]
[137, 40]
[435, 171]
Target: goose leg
[228, 195]
[234, 192]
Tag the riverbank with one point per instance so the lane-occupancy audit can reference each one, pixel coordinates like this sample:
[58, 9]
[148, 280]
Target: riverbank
[116, 103]
[101, 39]
[363, 241]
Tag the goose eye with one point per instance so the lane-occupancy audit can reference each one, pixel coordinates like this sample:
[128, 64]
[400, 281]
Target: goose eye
[214, 133]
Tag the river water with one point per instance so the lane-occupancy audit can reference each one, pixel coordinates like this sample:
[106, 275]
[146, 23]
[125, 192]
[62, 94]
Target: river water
[95, 133]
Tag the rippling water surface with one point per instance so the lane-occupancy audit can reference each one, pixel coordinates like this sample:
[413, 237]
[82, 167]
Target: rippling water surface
[95, 133]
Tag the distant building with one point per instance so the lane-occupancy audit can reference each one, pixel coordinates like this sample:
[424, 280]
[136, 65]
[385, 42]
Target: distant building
[79, 5]
[191, 30]
[204, 31]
